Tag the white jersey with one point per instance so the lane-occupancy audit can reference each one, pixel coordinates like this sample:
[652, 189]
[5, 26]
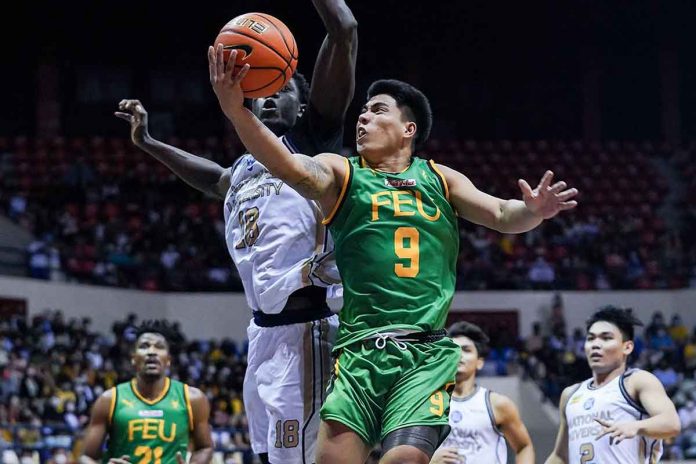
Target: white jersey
[275, 237]
[609, 402]
[473, 429]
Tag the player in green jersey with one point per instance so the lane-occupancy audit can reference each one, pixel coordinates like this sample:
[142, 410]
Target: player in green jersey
[393, 217]
[152, 418]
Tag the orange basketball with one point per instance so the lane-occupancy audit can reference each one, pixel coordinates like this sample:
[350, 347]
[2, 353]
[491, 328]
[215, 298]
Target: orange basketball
[267, 45]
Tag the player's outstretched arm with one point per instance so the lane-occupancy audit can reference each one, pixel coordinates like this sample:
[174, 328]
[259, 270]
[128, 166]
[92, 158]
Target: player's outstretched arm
[508, 420]
[333, 79]
[663, 421]
[200, 173]
[509, 216]
[200, 435]
[96, 431]
[314, 178]
[559, 455]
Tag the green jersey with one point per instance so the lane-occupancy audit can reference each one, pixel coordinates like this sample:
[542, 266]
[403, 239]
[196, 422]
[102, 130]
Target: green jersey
[149, 431]
[397, 241]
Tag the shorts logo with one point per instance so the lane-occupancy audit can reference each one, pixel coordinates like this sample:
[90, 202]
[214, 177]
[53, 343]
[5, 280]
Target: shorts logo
[151, 413]
[456, 417]
[589, 403]
[400, 182]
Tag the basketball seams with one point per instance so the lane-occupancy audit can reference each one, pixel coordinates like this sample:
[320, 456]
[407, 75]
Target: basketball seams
[282, 36]
[270, 42]
[256, 39]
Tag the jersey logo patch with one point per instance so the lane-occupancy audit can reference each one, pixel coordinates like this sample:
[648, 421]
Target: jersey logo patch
[129, 404]
[175, 404]
[399, 183]
[589, 403]
[456, 417]
[250, 164]
[576, 399]
[151, 413]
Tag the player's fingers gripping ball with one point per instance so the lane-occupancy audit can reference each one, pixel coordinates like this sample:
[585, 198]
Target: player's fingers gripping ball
[266, 45]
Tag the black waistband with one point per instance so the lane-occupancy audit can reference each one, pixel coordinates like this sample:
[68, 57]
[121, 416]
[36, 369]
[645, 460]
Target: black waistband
[303, 305]
[430, 336]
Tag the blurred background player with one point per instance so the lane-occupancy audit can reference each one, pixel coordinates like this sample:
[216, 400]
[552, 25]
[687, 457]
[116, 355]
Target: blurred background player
[152, 418]
[480, 420]
[394, 219]
[619, 415]
[278, 244]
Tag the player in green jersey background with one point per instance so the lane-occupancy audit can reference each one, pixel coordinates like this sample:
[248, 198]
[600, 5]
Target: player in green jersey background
[393, 218]
[152, 418]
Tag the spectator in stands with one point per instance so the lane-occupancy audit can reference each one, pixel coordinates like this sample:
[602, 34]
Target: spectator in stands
[541, 274]
[667, 375]
[678, 331]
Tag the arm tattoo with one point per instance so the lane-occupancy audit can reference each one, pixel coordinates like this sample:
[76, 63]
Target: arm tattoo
[313, 185]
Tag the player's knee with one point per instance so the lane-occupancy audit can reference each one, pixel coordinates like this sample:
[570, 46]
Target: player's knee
[398, 446]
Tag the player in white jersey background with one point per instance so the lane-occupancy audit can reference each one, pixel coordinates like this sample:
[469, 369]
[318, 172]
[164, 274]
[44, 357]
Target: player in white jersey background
[281, 250]
[480, 420]
[620, 415]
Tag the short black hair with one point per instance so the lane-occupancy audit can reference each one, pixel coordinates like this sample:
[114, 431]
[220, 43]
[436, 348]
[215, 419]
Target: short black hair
[156, 326]
[302, 87]
[474, 333]
[622, 318]
[410, 98]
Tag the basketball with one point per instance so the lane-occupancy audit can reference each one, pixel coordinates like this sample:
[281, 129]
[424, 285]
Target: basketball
[266, 45]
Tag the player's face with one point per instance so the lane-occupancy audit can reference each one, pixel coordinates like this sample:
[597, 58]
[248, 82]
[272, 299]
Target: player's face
[605, 348]
[469, 361]
[151, 355]
[279, 112]
[382, 127]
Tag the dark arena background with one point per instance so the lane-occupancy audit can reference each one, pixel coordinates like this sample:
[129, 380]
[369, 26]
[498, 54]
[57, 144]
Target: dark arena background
[96, 236]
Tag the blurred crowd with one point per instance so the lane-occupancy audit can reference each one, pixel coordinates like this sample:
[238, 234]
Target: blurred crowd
[53, 369]
[102, 212]
[555, 358]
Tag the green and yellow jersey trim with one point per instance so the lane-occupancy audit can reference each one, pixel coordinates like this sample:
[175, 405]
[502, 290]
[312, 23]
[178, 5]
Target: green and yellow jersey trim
[187, 397]
[342, 195]
[441, 176]
[165, 390]
[112, 406]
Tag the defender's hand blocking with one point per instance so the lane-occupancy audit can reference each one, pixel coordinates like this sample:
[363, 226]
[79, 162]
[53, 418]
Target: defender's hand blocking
[134, 112]
[447, 456]
[226, 84]
[548, 200]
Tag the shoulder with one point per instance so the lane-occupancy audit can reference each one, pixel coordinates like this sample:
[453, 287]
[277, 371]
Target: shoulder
[567, 393]
[503, 407]
[638, 379]
[195, 394]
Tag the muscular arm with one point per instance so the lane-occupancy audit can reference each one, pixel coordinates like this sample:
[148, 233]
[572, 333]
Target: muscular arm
[200, 173]
[316, 178]
[333, 80]
[664, 420]
[507, 216]
[559, 455]
[97, 429]
[200, 436]
[507, 418]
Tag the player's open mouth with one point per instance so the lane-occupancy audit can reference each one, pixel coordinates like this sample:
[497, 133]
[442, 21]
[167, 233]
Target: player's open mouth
[595, 356]
[361, 133]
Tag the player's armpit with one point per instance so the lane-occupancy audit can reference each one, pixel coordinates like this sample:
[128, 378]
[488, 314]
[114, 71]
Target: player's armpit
[508, 420]
[320, 178]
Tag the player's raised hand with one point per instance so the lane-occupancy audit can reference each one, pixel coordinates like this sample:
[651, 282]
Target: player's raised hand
[125, 459]
[226, 83]
[548, 200]
[447, 456]
[617, 431]
[134, 112]
[179, 458]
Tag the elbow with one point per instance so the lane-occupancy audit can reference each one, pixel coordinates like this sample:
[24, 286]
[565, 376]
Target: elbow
[345, 29]
[675, 428]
